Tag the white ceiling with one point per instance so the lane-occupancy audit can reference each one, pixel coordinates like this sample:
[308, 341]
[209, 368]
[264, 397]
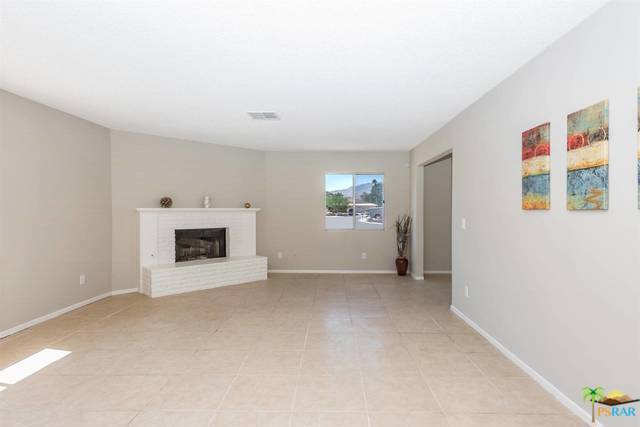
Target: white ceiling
[342, 74]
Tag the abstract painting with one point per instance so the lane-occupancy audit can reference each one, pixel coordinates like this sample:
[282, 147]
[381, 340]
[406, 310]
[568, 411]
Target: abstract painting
[535, 168]
[588, 158]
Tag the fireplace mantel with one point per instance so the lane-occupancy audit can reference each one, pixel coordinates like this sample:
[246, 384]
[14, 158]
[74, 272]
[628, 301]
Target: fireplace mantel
[170, 210]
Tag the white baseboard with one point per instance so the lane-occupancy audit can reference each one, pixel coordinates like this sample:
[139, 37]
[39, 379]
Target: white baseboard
[62, 311]
[417, 277]
[437, 272]
[124, 291]
[334, 271]
[544, 383]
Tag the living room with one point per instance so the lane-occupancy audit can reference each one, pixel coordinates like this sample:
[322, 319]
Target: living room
[319, 214]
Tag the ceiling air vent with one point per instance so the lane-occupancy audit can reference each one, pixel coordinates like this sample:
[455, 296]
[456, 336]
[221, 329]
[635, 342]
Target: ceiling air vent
[264, 115]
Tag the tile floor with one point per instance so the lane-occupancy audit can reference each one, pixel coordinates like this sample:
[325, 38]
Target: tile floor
[295, 350]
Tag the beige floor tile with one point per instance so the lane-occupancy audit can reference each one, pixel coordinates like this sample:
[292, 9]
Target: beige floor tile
[191, 393]
[329, 419]
[251, 419]
[91, 362]
[467, 395]
[447, 364]
[391, 362]
[358, 279]
[330, 362]
[269, 362]
[332, 323]
[496, 365]
[428, 343]
[219, 362]
[409, 419]
[414, 323]
[453, 325]
[356, 290]
[398, 394]
[62, 417]
[295, 305]
[512, 420]
[289, 322]
[367, 325]
[152, 362]
[367, 310]
[472, 343]
[40, 392]
[522, 395]
[184, 339]
[484, 420]
[260, 393]
[117, 392]
[282, 340]
[232, 339]
[57, 327]
[85, 340]
[172, 419]
[329, 393]
[550, 421]
[344, 341]
[10, 355]
[372, 341]
[24, 344]
[329, 306]
[294, 350]
[249, 322]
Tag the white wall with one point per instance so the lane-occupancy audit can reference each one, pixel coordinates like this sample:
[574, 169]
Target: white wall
[55, 210]
[558, 288]
[294, 214]
[437, 216]
[146, 168]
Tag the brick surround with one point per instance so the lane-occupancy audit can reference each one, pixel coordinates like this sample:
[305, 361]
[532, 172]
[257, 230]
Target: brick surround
[161, 275]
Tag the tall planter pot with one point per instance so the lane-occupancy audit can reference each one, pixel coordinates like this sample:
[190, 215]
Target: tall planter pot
[402, 265]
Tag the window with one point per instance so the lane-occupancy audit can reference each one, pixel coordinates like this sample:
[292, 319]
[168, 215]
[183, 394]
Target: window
[354, 201]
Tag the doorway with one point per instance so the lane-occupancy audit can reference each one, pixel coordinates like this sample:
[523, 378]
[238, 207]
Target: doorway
[437, 217]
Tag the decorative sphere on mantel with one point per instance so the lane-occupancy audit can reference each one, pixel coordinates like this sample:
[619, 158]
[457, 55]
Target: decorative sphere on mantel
[247, 205]
[166, 202]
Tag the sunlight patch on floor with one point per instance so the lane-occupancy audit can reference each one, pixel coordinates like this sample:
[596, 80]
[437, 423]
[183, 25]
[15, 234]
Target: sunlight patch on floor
[29, 366]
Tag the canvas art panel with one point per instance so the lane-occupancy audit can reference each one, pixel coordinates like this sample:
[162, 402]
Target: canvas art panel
[536, 180]
[588, 158]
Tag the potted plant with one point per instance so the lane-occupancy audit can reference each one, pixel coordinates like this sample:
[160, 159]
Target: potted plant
[403, 231]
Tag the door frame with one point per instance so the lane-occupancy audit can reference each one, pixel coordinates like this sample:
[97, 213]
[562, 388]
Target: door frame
[417, 271]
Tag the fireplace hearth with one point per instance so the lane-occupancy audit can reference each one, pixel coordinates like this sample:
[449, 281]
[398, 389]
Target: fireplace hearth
[201, 243]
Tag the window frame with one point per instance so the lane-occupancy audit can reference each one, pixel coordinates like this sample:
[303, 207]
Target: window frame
[353, 200]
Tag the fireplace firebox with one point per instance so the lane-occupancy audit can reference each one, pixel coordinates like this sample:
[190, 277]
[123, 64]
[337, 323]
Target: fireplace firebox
[201, 243]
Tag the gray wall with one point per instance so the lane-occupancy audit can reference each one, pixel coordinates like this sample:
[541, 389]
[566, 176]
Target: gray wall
[288, 186]
[550, 286]
[437, 216]
[295, 210]
[145, 168]
[55, 210]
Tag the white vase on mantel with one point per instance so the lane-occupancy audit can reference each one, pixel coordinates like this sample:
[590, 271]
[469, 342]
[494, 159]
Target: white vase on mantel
[206, 202]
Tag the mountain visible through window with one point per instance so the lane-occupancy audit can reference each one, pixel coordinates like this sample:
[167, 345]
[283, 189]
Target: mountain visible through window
[354, 201]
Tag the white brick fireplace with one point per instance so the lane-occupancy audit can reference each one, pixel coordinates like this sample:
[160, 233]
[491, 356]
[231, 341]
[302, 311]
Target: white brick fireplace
[161, 275]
